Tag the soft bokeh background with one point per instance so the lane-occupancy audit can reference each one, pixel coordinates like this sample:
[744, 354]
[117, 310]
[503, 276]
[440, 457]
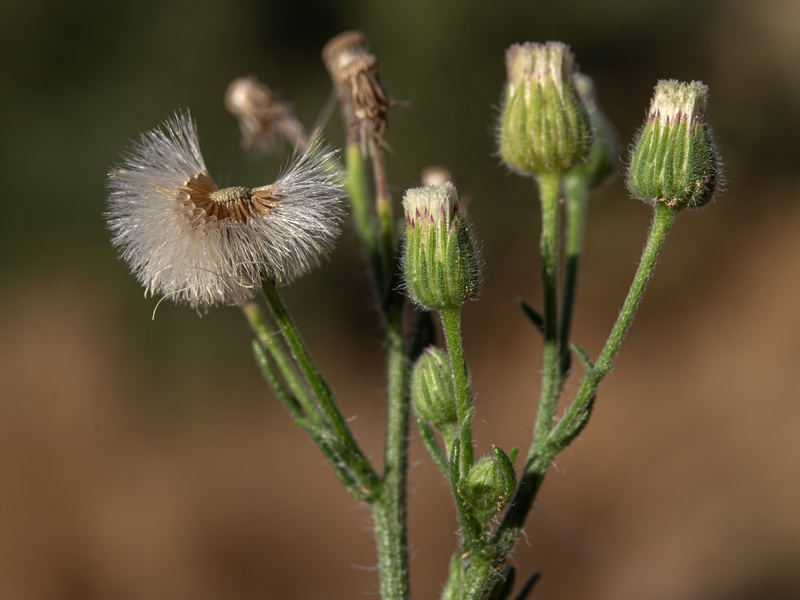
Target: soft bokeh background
[146, 459]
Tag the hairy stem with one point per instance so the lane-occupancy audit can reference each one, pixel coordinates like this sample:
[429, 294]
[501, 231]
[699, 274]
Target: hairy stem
[579, 410]
[364, 216]
[351, 452]
[390, 512]
[451, 324]
[576, 192]
[576, 416]
[548, 243]
[383, 210]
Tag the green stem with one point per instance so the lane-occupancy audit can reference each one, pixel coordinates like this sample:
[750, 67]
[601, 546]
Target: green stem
[383, 209]
[389, 513]
[551, 376]
[273, 346]
[363, 215]
[318, 433]
[578, 412]
[351, 452]
[451, 324]
[268, 349]
[576, 192]
[482, 575]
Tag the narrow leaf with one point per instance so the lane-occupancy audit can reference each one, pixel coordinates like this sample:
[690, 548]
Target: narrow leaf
[533, 316]
[583, 356]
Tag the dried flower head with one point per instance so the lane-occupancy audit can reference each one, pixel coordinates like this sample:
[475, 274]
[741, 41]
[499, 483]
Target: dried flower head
[356, 76]
[262, 115]
[190, 241]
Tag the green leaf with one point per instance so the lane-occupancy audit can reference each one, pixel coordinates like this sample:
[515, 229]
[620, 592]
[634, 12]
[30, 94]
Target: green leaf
[533, 316]
[583, 356]
[528, 587]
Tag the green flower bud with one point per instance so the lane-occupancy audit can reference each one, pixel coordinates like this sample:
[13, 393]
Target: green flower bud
[490, 484]
[544, 127]
[601, 162]
[433, 394]
[440, 262]
[674, 160]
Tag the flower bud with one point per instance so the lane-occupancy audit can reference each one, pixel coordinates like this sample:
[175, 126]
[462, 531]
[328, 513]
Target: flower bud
[674, 160]
[544, 127]
[601, 162]
[433, 394]
[490, 484]
[440, 262]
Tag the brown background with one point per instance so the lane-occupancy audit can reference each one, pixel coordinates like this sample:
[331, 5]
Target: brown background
[147, 460]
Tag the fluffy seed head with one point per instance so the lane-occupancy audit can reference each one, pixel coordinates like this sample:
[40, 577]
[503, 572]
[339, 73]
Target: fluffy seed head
[188, 240]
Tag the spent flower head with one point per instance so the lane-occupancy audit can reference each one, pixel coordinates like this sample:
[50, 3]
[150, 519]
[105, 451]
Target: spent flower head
[190, 241]
[674, 159]
[262, 115]
[544, 126]
[356, 75]
[440, 261]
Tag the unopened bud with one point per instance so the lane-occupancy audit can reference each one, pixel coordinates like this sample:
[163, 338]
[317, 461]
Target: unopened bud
[440, 262]
[490, 484]
[433, 393]
[544, 127]
[674, 160]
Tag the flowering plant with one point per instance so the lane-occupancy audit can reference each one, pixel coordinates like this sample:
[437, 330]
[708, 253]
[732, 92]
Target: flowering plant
[189, 241]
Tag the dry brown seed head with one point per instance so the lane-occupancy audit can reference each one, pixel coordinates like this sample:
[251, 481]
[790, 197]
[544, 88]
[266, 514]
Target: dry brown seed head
[356, 76]
[342, 50]
[262, 114]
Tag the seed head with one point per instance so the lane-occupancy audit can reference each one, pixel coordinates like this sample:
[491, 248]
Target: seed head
[262, 116]
[356, 76]
[192, 242]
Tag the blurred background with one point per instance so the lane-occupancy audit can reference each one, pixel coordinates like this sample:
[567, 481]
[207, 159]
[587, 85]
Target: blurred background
[146, 459]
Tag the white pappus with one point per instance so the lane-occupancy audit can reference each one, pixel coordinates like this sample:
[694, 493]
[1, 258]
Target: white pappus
[192, 242]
